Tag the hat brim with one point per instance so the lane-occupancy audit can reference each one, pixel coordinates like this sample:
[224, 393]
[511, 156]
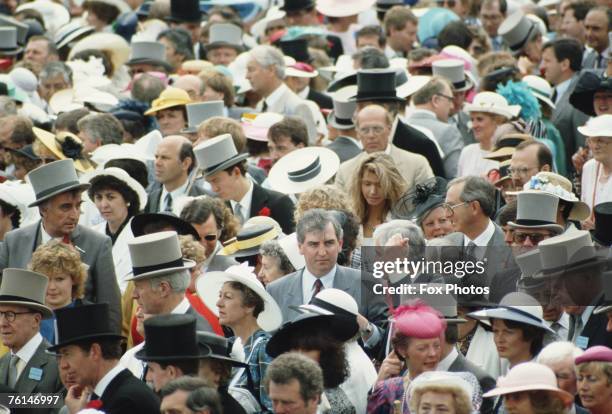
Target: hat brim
[128, 181]
[341, 10]
[580, 210]
[74, 187]
[181, 226]
[383, 98]
[11, 52]
[279, 180]
[509, 315]
[253, 251]
[554, 227]
[225, 164]
[71, 341]
[173, 104]
[187, 265]
[209, 285]
[500, 154]
[331, 121]
[46, 311]
[596, 261]
[602, 309]
[566, 397]
[145, 61]
[74, 35]
[205, 352]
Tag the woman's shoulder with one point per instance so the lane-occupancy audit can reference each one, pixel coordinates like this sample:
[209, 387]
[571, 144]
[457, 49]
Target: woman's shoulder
[384, 394]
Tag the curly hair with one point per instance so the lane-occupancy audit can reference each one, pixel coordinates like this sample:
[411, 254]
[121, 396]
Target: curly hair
[107, 182]
[192, 249]
[332, 359]
[392, 183]
[272, 248]
[55, 257]
[461, 400]
[328, 197]
[199, 210]
[250, 299]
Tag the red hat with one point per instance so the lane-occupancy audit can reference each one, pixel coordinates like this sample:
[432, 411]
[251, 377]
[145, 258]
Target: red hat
[418, 320]
[597, 353]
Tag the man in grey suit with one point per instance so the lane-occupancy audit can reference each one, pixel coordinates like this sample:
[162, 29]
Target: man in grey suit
[58, 197]
[266, 71]
[27, 368]
[433, 103]
[561, 62]
[320, 241]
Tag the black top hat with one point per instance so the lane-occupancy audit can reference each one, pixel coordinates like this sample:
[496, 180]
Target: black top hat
[339, 327]
[72, 329]
[183, 228]
[376, 85]
[588, 84]
[297, 49]
[294, 5]
[171, 337]
[219, 347]
[602, 234]
[185, 11]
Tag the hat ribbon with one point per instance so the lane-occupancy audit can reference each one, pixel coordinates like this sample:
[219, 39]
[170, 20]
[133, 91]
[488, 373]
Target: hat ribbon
[521, 312]
[306, 173]
[12, 298]
[53, 189]
[460, 84]
[138, 270]
[541, 92]
[530, 222]
[343, 121]
[249, 243]
[332, 308]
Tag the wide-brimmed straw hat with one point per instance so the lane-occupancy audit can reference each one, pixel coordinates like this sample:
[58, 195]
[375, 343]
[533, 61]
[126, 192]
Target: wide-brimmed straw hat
[257, 128]
[64, 146]
[493, 103]
[209, 286]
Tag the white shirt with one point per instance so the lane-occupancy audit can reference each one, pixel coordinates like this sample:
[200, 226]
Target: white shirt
[176, 194]
[471, 161]
[563, 331]
[274, 97]
[308, 281]
[27, 352]
[590, 194]
[181, 308]
[562, 88]
[448, 360]
[483, 238]
[110, 375]
[304, 92]
[46, 237]
[245, 202]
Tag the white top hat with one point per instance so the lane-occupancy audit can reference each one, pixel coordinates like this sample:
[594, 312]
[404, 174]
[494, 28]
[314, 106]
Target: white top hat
[412, 86]
[303, 169]
[493, 103]
[289, 244]
[8, 41]
[529, 263]
[200, 112]
[209, 285]
[147, 52]
[600, 126]
[540, 88]
[217, 154]
[343, 8]
[25, 288]
[225, 35]
[125, 178]
[157, 254]
[331, 302]
[22, 28]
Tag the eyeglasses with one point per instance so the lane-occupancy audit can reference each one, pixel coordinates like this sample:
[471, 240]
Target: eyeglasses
[520, 237]
[452, 207]
[210, 237]
[520, 172]
[450, 98]
[11, 316]
[372, 129]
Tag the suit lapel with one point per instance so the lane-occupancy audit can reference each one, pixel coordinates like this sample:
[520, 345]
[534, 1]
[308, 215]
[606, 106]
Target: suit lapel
[258, 200]
[25, 384]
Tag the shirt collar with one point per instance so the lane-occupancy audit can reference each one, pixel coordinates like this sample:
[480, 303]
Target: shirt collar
[29, 349]
[103, 383]
[483, 238]
[181, 308]
[448, 360]
[562, 87]
[308, 281]
[245, 201]
[177, 193]
[46, 237]
[275, 96]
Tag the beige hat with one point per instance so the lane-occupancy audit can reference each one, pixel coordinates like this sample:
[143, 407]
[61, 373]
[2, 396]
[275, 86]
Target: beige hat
[25, 288]
[157, 254]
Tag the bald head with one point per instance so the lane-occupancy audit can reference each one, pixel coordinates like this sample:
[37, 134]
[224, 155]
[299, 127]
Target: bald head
[373, 124]
[174, 160]
[191, 84]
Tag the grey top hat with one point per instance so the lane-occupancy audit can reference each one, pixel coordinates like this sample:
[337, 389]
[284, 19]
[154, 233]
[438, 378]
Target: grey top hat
[157, 254]
[342, 115]
[8, 41]
[454, 71]
[25, 288]
[148, 52]
[516, 31]
[537, 210]
[200, 112]
[54, 178]
[22, 28]
[217, 154]
[446, 304]
[529, 263]
[567, 253]
[225, 35]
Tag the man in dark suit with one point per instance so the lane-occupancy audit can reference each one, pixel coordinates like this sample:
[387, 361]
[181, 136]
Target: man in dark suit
[27, 368]
[341, 126]
[58, 197]
[225, 170]
[320, 241]
[90, 352]
[174, 161]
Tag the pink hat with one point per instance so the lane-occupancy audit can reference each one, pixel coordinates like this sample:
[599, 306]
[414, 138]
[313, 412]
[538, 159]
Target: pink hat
[597, 353]
[418, 320]
[529, 376]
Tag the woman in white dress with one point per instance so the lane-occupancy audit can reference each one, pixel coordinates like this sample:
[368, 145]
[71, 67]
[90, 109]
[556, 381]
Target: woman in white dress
[488, 111]
[118, 197]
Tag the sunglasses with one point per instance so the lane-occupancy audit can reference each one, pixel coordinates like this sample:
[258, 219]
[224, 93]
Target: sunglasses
[535, 238]
[210, 237]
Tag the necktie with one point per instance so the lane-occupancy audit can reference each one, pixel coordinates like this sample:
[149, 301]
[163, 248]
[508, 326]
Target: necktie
[12, 373]
[238, 213]
[577, 328]
[168, 208]
[554, 96]
[318, 285]
[470, 251]
[264, 107]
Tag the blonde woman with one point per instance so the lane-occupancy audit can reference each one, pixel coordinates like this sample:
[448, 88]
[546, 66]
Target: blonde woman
[376, 186]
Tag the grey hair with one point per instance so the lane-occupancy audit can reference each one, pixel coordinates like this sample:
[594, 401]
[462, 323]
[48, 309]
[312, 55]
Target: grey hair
[104, 128]
[7, 106]
[477, 189]
[407, 229]
[178, 281]
[52, 69]
[269, 56]
[559, 351]
[180, 39]
[432, 88]
[315, 220]
[272, 248]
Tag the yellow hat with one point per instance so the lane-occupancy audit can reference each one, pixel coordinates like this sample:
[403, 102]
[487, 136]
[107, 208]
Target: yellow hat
[169, 98]
[64, 145]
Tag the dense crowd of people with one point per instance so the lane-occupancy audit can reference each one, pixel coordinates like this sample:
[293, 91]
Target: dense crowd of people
[306, 206]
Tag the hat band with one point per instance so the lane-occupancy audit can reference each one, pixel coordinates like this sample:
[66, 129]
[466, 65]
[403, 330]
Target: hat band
[138, 270]
[376, 94]
[541, 92]
[531, 222]
[343, 121]
[521, 312]
[460, 84]
[56, 188]
[510, 143]
[214, 167]
[306, 173]
[565, 266]
[332, 308]
[249, 243]
[12, 298]
[519, 45]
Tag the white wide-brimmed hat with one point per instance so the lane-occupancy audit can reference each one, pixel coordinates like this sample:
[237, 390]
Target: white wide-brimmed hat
[537, 210]
[540, 88]
[70, 32]
[517, 307]
[257, 128]
[341, 8]
[301, 70]
[529, 376]
[109, 152]
[157, 254]
[217, 154]
[67, 100]
[54, 15]
[289, 244]
[303, 169]
[331, 302]
[125, 178]
[19, 195]
[200, 112]
[600, 126]
[412, 85]
[25, 288]
[209, 284]
[493, 103]
[115, 45]
[273, 14]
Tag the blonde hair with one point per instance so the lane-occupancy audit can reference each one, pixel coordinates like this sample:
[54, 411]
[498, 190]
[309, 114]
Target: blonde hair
[462, 401]
[192, 249]
[55, 257]
[391, 182]
[327, 197]
[601, 366]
